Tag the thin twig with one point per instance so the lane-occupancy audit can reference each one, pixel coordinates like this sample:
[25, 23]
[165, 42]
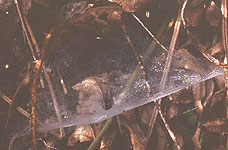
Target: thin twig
[33, 111]
[182, 13]
[51, 89]
[164, 77]
[9, 101]
[171, 51]
[33, 89]
[151, 124]
[24, 30]
[31, 34]
[148, 31]
[171, 134]
[54, 99]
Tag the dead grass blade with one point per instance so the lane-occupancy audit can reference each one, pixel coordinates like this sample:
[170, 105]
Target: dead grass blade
[95, 143]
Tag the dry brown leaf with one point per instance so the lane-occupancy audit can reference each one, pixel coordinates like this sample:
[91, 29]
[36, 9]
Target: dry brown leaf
[214, 53]
[81, 134]
[216, 48]
[92, 95]
[217, 125]
[130, 5]
[104, 17]
[138, 138]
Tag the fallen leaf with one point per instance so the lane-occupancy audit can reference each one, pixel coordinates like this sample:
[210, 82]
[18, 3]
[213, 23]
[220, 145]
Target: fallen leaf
[92, 95]
[81, 134]
[219, 125]
[138, 139]
[130, 5]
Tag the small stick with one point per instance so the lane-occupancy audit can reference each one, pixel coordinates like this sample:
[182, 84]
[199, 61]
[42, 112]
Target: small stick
[171, 51]
[182, 13]
[171, 134]
[9, 101]
[54, 99]
[165, 75]
[33, 112]
[24, 30]
[148, 31]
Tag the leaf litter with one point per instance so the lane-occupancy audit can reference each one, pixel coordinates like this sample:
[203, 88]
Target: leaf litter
[95, 82]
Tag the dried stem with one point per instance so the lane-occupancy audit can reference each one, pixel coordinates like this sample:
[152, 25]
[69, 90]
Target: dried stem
[33, 89]
[24, 29]
[33, 112]
[148, 31]
[171, 134]
[182, 13]
[164, 78]
[54, 99]
[171, 51]
[32, 36]
[9, 101]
